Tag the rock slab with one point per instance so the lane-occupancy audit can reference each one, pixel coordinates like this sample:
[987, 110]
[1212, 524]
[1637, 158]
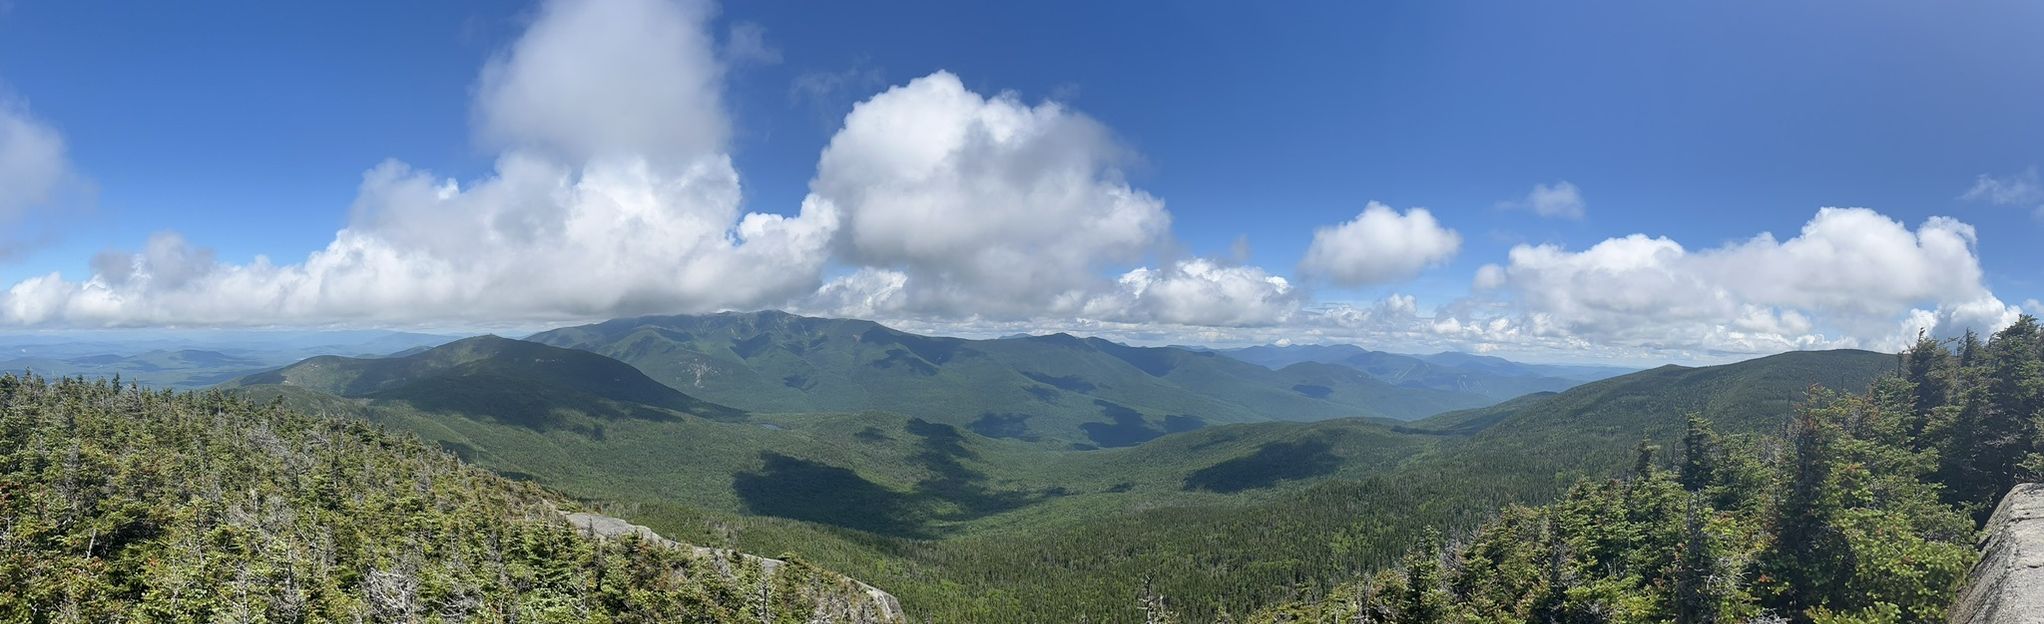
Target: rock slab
[880, 607]
[2007, 586]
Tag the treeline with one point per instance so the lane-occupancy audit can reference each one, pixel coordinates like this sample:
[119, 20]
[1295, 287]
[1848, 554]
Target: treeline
[1862, 509]
[125, 505]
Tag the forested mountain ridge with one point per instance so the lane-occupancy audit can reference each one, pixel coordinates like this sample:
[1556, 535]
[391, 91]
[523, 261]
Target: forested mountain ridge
[1557, 433]
[1051, 388]
[1584, 430]
[1494, 364]
[497, 378]
[601, 429]
[1862, 509]
[124, 504]
[1495, 378]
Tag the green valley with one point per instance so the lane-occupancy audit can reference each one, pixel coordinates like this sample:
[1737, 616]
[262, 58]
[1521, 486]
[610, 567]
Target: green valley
[968, 527]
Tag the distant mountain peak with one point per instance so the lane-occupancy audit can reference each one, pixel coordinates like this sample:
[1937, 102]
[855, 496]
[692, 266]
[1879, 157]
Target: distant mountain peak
[492, 375]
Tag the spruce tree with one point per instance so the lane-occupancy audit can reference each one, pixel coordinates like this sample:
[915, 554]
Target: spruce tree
[1808, 560]
[2013, 400]
[1424, 602]
[1700, 451]
[1697, 592]
[1643, 459]
[1927, 367]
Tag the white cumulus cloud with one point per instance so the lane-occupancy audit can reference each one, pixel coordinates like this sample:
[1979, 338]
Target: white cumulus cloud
[1847, 279]
[865, 293]
[1197, 292]
[988, 205]
[1200, 292]
[1378, 246]
[613, 195]
[599, 79]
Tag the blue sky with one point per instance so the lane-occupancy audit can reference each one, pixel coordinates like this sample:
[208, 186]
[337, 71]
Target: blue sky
[246, 129]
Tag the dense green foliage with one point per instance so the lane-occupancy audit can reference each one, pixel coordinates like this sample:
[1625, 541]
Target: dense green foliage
[122, 504]
[1857, 511]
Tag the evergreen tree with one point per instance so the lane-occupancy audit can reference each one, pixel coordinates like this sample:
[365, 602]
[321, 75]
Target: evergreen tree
[1927, 366]
[1808, 560]
[1643, 459]
[1969, 350]
[1697, 575]
[2012, 402]
[1424, 601]
[1701, 451]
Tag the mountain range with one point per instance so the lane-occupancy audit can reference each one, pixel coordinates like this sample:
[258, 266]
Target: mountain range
[1494, 378]
[194, 359]
[871, 451]
[1056, 389]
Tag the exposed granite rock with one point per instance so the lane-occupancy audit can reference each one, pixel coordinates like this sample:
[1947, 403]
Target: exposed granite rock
[872, 607]
[2007, 586]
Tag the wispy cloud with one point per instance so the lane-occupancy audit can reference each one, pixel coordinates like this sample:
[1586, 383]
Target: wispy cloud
[828, 93]
[1561, 200]
[2020, 190]
[746, 44]
[39, 186]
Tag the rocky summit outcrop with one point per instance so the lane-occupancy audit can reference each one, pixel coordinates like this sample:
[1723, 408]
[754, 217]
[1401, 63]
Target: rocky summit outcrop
[841, 600]
[2007, 586]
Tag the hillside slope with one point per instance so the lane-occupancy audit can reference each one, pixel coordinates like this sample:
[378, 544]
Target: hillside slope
[600, 428]
[1746, 397]
[1056, 388]
[511, 381]
[126, 505]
